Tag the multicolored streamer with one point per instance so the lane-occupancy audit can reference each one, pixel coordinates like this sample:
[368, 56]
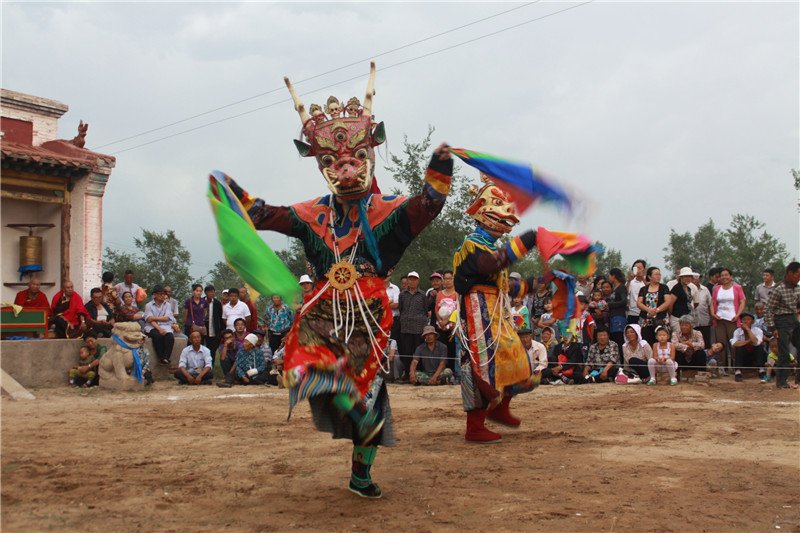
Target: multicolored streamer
[575, 248]
[518, 179]
[246, 253]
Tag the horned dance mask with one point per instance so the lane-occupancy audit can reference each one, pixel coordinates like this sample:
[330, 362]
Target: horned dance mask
[492, 207]
[343, 145]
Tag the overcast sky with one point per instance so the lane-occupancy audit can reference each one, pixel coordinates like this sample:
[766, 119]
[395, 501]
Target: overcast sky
[664, 114]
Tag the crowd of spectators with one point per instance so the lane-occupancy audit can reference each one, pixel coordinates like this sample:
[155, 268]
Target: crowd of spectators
[629, 328]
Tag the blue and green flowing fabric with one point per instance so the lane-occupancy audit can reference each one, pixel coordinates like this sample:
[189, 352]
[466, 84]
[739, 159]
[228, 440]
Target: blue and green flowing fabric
[247, 254]
[520, 180]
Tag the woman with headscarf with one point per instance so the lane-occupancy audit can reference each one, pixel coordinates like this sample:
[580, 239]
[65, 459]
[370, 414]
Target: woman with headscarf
[636, 351]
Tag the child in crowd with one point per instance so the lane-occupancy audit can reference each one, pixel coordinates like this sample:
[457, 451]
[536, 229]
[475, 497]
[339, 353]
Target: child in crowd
[663, 359]
[547, 320]
[760, 322]
[585, 325]
[521, 310]
[772, 360]
[144, 359]
[599, 307]
[82, 373]
[712, 356]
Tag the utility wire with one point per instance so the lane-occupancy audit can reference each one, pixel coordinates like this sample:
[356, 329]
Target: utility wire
[360, 61]
[349, 79]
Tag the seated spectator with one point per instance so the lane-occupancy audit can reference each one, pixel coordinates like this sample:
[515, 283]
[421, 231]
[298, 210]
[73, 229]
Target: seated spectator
[228, 348]
[84, 373]
[129, 311]
[761, 323]
[32, 296]
[746, 344]
[713, 356]
[128, 286]
[636, 351]
[69, 313]
[550, 344]
[250, 369]
[537, 354]
[94, 352]
[234, 309]
[604, 359]
[144, 359]
[101, 317]
[110, 295]
[195, 312]
[663, 359]
[277, 363]
[568, 359]
[240, 330]
[431, 356]
[390, 353]
[244, 297]
[279, 321]
[689, 345]
[261, 335]
[160, 325]
[772, 361]
[585, 325]
[194, 367]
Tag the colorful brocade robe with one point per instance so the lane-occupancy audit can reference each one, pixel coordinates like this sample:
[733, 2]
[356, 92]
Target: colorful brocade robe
[499, 363]
[329, 364]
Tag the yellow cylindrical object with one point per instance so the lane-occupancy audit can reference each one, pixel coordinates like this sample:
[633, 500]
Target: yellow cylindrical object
[30, 250]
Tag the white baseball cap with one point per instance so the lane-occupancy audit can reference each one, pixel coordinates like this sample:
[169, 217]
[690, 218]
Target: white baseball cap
[413, 274]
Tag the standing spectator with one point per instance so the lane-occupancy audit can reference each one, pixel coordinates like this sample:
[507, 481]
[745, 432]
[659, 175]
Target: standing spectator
[393, 292]
[604, 358]
[682, 292]
[101, 317]
[713, 278]
[764, 289]
[225, 299]
[173, 303]
[128, 312]
[747, 347]
[68, 312]
[214, 322]
[760, 322]
[195, 311]
[160, 324]
[195, 366]
[436, 285]
[542, 294]
[307, 284]
[403, 283]
[128, 286]
[636, 351]
[702, 310]
[583, 285]
[432, 355]
[654, 301]
[727, 304]
[279, 321]
[110, 295]
[413, 318]
[446, 303]
[781, 318]
[663, 359]
[234, 309]
[634, 285]
[244, 297]
[689, 345]
[32, 296]
[617, 306]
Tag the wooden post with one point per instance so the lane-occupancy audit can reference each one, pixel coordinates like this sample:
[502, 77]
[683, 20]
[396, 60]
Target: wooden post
[66, 216]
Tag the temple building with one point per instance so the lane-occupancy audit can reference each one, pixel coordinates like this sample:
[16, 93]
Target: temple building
[52, 199]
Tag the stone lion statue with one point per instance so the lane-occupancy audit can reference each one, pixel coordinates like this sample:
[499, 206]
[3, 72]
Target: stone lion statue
[117, 361]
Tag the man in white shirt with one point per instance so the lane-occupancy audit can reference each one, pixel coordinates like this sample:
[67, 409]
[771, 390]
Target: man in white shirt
[195, 366]
[746, 346]
[537, 353]
[160, 324]
[634, 285]
[393, 292]
[763, 290]
[234, 309]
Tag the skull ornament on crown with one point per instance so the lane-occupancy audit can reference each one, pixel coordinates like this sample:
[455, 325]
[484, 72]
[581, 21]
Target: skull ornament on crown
[492, 207]
[342, 145]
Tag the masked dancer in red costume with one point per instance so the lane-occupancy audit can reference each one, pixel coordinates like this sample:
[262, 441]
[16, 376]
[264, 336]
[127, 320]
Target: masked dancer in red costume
[495, 365]
[352, 238]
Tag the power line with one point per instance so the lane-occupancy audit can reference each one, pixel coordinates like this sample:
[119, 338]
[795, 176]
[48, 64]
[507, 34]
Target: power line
[429, 54]
[360, 61]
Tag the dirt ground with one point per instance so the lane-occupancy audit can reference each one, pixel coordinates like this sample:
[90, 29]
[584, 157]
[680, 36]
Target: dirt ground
[606, 457]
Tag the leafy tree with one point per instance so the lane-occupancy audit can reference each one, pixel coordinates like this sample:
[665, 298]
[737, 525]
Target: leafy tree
[222, 277]
[708, 247]
[751, 253]
[433, 249]
[607, 259]
[160, 259]
[294, 257]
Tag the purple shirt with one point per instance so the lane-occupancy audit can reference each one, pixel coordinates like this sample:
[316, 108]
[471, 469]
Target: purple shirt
[197, 312]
